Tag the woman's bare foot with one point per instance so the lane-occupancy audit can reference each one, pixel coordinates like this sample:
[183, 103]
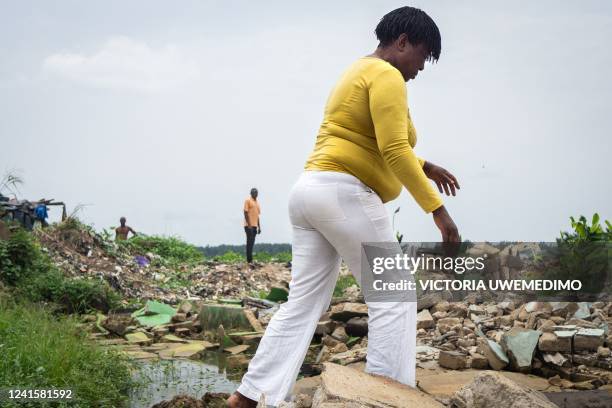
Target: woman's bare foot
[237, 400]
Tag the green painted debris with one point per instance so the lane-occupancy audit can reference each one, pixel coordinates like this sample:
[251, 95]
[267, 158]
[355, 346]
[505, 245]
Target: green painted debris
[232, 317]
[519, 345]
[154, 314]
[226, 341]
[278, 294]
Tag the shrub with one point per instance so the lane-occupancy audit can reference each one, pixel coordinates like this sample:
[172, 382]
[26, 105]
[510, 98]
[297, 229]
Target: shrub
[40, 351]
[24, 266]
[584, 254]
[19, 257]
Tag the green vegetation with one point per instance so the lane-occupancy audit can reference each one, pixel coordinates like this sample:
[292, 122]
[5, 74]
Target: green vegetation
[584, 254]
[25, 267]
[267, 257]
[585, 232]
[344, 282]
[40, 351]
[172, 249]
[264, 257]
[273, 250]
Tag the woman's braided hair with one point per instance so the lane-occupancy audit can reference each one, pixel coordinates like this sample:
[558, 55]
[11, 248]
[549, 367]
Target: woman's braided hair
[416, 24]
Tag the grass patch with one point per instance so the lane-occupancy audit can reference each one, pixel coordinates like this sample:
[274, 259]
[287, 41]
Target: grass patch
[41, 351]
[263, 257]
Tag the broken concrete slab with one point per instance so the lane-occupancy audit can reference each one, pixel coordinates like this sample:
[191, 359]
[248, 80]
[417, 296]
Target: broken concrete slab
[344, 311]
[118, 324]
[452, 360]
[255, 324]
[171, 338]
[583, 311]
[154, 314]
[339, 334]
[425, 320]
[555, 359]
[588, 339]
[443, 384]
[478, 361]
[190, 350]
[491, 389]
[495, 355]
[585, 399]
[137, 337]
[232, 317]
[550, 342]
[430, 299]
[520, 344]
[324, 327]
[237, 349]
[343, 385]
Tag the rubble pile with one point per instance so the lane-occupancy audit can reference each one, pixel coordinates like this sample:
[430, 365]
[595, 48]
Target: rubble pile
[79, 251]
[211, 306]
[568, 343]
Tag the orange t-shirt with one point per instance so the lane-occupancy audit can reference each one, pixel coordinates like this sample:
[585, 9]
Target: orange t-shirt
[251, 206]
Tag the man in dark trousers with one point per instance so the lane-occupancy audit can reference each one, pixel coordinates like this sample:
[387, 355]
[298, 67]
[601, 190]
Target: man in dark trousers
[252, 226]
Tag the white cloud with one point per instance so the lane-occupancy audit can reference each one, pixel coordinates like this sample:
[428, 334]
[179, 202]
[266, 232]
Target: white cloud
[125, 63]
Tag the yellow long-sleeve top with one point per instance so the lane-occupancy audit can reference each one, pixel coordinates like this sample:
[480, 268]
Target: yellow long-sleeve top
[367, 132]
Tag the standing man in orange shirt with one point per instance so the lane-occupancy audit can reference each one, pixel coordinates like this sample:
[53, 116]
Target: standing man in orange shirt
[252, 226]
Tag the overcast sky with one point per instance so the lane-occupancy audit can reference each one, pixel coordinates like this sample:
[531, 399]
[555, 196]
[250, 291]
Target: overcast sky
[169, 112]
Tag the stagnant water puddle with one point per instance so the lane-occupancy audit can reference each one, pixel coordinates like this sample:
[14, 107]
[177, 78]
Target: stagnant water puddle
[163, 379]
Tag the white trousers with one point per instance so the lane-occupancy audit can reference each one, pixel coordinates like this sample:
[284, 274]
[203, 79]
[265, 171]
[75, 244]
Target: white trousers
[332, 214]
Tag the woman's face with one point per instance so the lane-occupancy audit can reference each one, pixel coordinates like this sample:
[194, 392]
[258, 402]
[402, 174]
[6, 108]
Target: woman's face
[409, 59]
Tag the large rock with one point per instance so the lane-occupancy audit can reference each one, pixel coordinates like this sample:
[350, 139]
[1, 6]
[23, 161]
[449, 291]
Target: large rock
[424, 320]
[357, 327]
[520, 344]
[442, 385]
[452, 360]
[232, 317]
[345, 311]
[347, 387]
[138, 337]
[490, 389]
[588, 339]
[550, 342]
[429, 300]
[118, 324]
[495, 355]
[583, 311]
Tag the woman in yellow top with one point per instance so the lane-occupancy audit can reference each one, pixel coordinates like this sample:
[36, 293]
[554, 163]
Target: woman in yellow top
[362, 158]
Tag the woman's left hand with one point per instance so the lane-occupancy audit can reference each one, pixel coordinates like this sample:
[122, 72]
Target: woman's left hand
[442, 177]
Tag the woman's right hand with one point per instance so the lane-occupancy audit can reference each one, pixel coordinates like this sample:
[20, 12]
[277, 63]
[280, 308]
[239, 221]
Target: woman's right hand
[447, 226]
